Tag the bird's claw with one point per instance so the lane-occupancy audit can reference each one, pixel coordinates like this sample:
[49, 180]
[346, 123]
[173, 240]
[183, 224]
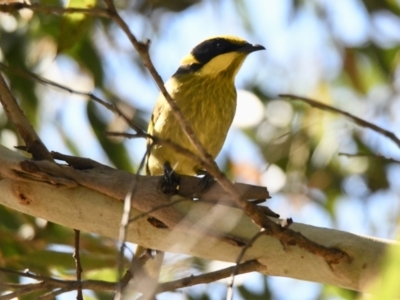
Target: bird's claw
[171, 180]
[206, 182]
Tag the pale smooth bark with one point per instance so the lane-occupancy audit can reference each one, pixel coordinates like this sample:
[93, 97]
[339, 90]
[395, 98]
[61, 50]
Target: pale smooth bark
[83, 208]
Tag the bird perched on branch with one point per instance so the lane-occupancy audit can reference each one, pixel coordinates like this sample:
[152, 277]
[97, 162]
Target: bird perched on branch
[203, 88]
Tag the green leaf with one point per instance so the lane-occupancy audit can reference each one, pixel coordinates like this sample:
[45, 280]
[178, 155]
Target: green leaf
[247, 294]
[339, 293]
[387, 284]
[88, 58]
[74, 26]
[167, 5]
[115, 151]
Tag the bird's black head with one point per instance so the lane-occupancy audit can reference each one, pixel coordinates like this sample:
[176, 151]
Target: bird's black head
[213, 47]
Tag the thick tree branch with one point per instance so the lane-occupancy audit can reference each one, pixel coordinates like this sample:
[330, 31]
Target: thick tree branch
[83, 208]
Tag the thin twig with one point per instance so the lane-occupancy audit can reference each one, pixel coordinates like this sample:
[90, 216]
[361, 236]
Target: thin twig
[110, 106]
[16, 6]
[125, 220]
[249, 266]
[22, 289]
[52, 294]
[122, 237]
[50, 283]
[229, 293]
[78, 265]
[373, 156]
[356, 120]
[250, 210]
[157, 208]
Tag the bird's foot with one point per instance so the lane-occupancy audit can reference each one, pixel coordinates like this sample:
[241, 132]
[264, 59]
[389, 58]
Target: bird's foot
[171, 180]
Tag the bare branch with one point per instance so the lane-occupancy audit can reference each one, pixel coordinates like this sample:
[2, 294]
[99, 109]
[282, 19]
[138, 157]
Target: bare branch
[148, 213]
[229, 294]
[22, 289]
[14, 113]
[77, 259]
[249, 266]
[140, 133]
[110, 106]
[49, 283]
[356, 120]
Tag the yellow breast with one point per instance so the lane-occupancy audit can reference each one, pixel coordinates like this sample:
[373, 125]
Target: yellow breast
[208, 105]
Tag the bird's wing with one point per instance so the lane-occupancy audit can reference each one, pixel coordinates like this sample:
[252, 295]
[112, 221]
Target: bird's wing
[157, 118]
[161, 106]
[158, 108]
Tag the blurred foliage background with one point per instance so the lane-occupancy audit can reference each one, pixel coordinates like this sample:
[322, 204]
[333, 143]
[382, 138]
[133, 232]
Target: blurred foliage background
[343, 53]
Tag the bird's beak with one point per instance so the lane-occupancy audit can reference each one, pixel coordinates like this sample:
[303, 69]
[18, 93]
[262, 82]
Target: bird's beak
[248, 48]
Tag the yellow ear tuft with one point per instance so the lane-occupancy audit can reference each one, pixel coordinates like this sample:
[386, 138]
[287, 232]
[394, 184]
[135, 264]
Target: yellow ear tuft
[229, 61]
[189, 60]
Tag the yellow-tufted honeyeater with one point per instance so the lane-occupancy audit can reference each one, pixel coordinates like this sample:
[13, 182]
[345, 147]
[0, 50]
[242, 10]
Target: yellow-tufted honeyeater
[203, 88]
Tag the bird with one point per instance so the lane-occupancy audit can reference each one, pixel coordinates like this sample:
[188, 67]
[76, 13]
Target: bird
[204, 90]
[203, 87]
